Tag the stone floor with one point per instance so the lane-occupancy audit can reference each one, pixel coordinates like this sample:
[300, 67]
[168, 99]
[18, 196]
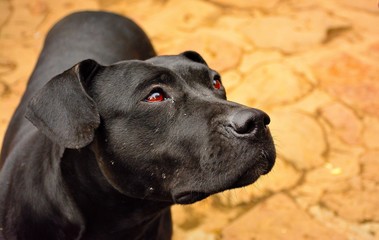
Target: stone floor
[312, 65]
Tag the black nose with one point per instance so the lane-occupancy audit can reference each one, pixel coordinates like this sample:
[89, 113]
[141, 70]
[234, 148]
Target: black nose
[248, 120]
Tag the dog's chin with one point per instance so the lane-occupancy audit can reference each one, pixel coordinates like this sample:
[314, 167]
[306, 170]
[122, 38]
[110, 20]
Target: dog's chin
[247, 178]
[190, 197]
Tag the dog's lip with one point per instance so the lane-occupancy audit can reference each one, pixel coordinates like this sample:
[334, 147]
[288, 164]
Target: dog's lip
[189, 197]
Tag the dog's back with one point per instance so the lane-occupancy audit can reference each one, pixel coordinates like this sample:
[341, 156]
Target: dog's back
[104, 37]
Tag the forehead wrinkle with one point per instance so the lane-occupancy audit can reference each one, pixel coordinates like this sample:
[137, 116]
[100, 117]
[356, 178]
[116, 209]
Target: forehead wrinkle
[158, 77]
[198, 73]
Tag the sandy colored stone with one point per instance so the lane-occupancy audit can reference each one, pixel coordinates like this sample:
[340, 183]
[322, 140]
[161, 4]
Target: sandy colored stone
[24, 22]
[353, 81]
[282, 177]
[312, 102]
[371, 132]
[248, 4]
[208, 213]
[6, 65]
[13, 67]
[231, 79]
[361, 14]
[365, 5]
[5, 7]
[2, 88]
[277, 218]
[372, 51]
[169, 20]
[353, 205]
[349, 130]
[199, 234]
[208, 44]
[321, 59]
[372, 228]
[49, 12]
[273, 83]
[337, 175]
[348, 229]
[299, 138]
[257, 59]
[139, 11]
[370, 163]
[301, 31]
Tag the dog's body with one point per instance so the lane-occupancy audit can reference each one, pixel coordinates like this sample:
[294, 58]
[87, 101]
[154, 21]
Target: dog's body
[113, 147]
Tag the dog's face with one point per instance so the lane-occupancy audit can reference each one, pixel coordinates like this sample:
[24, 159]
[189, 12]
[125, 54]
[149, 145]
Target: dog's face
[166, 131]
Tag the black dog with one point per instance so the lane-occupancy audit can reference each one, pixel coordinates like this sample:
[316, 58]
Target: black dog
[114, 144]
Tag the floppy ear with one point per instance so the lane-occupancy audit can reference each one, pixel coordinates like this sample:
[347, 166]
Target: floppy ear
[194, 56]
[63, 110]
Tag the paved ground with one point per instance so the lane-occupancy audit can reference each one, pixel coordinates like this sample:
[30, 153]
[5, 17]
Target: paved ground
[312, 65]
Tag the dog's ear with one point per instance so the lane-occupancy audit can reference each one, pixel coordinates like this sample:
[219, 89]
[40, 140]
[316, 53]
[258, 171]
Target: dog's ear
[194, 56]
[63, 110]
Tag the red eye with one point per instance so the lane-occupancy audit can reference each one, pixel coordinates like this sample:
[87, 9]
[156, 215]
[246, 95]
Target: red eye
[217, 83]
[156, 95]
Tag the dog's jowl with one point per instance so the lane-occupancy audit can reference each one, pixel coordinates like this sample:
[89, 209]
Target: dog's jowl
[108, 136]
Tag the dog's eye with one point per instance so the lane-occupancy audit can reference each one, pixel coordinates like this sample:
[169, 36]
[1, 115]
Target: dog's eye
[217, 82]
[157, 95]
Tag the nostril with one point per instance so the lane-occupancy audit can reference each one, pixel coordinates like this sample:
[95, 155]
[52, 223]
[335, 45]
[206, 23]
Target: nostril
[245, 127]
[247, 121]
[266, 120]
[243, 122]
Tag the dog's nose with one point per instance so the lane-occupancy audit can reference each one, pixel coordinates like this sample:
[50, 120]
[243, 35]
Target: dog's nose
[246, 121]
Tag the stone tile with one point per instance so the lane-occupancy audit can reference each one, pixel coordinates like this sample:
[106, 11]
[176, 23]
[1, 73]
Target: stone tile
[349, 229]
[277, 218]
[12, 67]
[302, 30]
[301, 142]
[259, 58]
[282, 177]
[312, 65]
[372, 51]
[6, 65]
[370, 163]
[354, 205]
[353, 81]
[371, 132]
[336, 115]
[311, 103]
[5, 7]
[271, 84]
[169, 21]
[248, 4]
[338, 175]
[139, 11]
[208, 216]
[364, 5]
[23, 20]
[231, 79]
[208, 43]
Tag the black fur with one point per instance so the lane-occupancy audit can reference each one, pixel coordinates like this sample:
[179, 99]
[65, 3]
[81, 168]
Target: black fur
[101, 161]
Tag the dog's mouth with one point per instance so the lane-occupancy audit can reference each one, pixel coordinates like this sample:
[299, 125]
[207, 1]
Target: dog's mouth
[247, 178]
[190, 197]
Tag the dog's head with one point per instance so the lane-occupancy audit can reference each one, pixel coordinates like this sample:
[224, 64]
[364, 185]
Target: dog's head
[161, 129]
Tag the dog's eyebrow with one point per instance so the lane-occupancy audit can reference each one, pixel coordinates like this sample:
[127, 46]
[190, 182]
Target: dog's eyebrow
[157, 77]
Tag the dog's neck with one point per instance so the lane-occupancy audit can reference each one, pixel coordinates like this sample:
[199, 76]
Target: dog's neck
[104, 209]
